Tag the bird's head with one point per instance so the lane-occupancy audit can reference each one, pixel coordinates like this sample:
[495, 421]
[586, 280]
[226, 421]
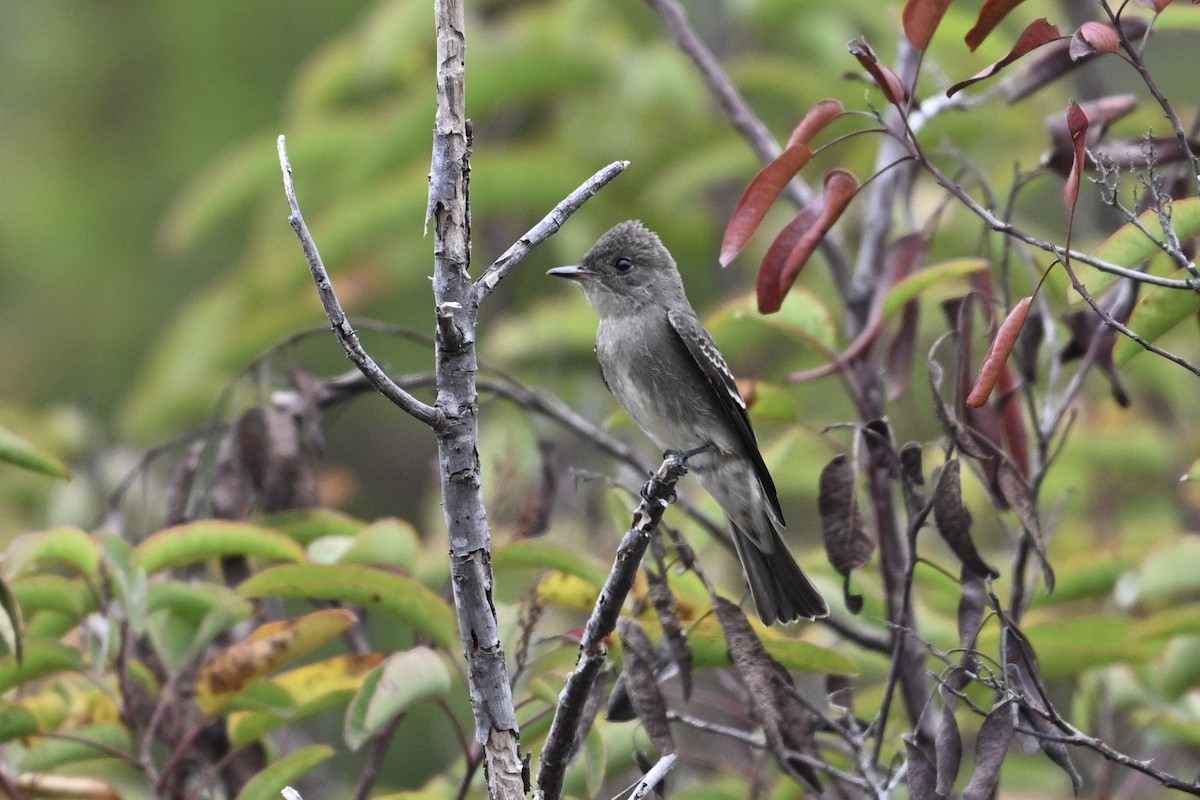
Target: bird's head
[626, 270]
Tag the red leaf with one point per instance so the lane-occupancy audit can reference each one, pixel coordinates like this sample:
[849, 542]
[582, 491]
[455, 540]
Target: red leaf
[777, 254]
[1092, 38]
[840, 187]
[989, 17]
[1012, 419]
[893, 89]
[1077, 125]
[997, 357]
[921, 18]
[763, 190]
[1036, 34]
[821, 115]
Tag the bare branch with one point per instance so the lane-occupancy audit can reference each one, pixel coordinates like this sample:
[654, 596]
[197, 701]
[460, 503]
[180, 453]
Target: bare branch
[656, 496]
[337, 317]
[549, 225]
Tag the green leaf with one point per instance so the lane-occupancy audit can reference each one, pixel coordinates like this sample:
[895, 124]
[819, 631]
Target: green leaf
[15, 450]
[370, 588]
[804, 317]
[11, 627]
[69, 596]
[1130, 246]
[41, 658]
[1068, 647]
[539, 554]
[1169, 572]
[399, 683]
[914, 284]
[388, 541]
[200, 541]
[307, 526]
[64, 545]
[51, 753]
[16, 723]
[1158, 311]
[709, 649]
[268, 784]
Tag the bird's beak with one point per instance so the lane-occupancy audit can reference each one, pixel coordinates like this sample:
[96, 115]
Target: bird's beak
[575, 273]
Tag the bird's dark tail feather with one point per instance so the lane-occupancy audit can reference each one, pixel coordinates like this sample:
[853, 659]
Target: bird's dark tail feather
[781, 590]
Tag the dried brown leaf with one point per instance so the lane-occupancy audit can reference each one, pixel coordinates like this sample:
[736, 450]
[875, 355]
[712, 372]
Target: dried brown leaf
[847, 542]
[991, 745]
[954, 521]
[760, 195]
[997, 357]
[840, 188]
[1092, 38]
[642, 685]
[922, 775]
[893, 90]
[1038, 33]
[990, 15]
[921, 19]
[1054, 62]
[947, 751]
[1077, 126]
[815, 121]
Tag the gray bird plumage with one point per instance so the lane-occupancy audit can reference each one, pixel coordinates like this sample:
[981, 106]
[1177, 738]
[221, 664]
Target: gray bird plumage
[667, 373]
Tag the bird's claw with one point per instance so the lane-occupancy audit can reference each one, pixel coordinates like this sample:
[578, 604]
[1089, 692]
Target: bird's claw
[683, 455]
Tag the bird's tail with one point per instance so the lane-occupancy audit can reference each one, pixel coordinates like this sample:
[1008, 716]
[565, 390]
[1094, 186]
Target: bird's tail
[781, 590]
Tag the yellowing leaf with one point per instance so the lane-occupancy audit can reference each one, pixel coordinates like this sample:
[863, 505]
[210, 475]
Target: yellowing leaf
[266, 649]
[312, 688]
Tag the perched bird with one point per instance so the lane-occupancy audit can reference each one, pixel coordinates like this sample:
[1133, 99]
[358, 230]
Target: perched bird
[664, 369]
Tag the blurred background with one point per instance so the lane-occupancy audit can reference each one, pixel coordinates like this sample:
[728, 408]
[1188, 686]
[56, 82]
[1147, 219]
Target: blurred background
[150, 283]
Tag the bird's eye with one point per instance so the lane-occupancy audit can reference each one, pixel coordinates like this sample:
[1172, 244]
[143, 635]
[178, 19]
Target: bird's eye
[623, 264]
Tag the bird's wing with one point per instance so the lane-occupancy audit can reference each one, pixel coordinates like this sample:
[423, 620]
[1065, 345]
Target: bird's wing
[712, 365]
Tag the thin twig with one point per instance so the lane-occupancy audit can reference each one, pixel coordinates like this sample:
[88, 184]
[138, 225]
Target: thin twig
[548, 226]
[337, 317]
[657, 495]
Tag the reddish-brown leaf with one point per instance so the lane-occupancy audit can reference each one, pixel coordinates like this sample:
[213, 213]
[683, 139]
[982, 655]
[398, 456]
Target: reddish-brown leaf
[1054, 61]
[816, 119]
[989, 17]
[1077, 126]
[777, 254]
[762, 192]
[1012, 419]
[840, 187]
[997, 357]
[921, 19]
[893, 89]
[1036, 34]
[1092, 38]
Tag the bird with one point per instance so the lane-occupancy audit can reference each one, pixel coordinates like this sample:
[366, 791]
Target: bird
[664, 369]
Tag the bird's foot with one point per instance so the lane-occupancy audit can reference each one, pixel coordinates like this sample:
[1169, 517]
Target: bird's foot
[684, 455]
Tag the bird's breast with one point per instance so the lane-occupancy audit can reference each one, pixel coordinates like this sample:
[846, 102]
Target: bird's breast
[653, 377]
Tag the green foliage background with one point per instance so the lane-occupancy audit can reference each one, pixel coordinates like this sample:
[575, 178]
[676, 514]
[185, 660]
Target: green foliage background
[145, 258]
